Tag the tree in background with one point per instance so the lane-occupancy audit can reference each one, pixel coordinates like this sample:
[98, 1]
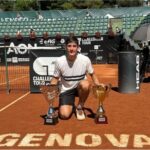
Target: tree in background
[26, 5]
[75, 4]
[20, 5]
[129, 3]
[84, 4]
[6, 5]
[16, 5]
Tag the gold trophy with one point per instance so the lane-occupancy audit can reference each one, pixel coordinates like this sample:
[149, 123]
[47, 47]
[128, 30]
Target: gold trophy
[100, 93]
[50, 93]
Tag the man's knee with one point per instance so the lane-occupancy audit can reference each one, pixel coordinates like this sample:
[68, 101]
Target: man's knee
[65, 112]
[64, 116]
[84, 84]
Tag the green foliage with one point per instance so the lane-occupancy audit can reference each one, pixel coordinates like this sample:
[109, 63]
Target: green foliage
[25, 4]
[20, 5]
[57, 4]
[94, 3]
[6, 5]
[129, 3]
[67, 6]
[10, 5]
[75, 4]
[83, 4]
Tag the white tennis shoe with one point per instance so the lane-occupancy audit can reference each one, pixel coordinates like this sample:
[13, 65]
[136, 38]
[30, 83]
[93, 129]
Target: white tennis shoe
[80, 113]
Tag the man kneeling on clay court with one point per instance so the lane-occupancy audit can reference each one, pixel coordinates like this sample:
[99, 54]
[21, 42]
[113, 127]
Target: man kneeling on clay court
[70, 70]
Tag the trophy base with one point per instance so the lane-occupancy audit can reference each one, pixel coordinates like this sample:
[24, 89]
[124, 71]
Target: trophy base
[101, 120]
[51, 121]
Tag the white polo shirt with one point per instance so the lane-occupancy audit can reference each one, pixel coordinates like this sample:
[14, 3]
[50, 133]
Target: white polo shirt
[71, 74]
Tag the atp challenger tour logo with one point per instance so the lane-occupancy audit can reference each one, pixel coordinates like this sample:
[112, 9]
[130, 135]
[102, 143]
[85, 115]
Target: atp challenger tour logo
[82, 140]
[44, 68]
[44, 65]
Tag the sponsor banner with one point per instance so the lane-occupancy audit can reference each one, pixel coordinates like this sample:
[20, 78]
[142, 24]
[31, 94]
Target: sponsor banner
[42, 67]
[41, 54]
[99, 50]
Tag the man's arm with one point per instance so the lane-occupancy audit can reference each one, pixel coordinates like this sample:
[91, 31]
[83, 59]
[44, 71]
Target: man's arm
[96, 80]
[54, 81]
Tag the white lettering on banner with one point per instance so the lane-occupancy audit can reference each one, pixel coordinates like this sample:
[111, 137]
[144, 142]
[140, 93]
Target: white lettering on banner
[62, 41]
[88, 40]
[86, 54]
[20, 49]
[97, 46]
[23, 59]
[9, 59]
[137, 72]
[49, 41]
[38, 80]
[17, 60]
[93, 39]
[41, 78]
[44, 65]
[14, 60]
[14, 19]
[99, 58]
[89, 140]
[79, 40]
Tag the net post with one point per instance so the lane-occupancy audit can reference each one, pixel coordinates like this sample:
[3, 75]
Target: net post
[6, 73]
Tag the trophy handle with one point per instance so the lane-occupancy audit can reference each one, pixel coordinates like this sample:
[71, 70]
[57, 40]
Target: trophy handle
[108, 88]
[50, 93]
[101, 92]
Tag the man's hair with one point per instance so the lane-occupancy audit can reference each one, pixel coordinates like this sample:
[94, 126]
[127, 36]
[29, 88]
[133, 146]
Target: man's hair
[71, 39]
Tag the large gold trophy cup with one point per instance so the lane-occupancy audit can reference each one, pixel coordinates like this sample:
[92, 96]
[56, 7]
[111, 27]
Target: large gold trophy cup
[100, 93]
[50, 93]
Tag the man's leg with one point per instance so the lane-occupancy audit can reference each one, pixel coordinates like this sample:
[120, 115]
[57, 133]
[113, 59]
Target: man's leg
[66, 103]
[83, 91]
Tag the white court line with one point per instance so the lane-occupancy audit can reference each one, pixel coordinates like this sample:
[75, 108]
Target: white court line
[12, 80]
[2, 109]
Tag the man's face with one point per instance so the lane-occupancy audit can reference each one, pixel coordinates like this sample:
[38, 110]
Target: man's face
[72, 49]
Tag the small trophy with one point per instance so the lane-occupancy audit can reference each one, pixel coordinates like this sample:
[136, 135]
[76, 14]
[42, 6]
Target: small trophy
[50, 93]
[100, 93]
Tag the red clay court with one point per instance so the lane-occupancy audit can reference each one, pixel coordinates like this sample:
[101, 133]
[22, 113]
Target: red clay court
[22, 124]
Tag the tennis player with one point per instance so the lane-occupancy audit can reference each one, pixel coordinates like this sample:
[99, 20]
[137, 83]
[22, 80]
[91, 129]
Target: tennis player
[71, 70]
